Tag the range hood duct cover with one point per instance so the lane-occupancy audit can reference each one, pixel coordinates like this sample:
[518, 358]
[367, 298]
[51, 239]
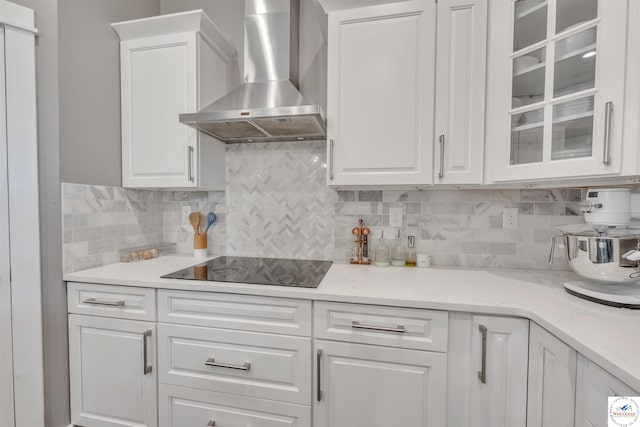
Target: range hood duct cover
[268, 106]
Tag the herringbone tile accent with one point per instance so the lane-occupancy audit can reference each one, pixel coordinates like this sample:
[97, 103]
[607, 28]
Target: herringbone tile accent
[278, 202]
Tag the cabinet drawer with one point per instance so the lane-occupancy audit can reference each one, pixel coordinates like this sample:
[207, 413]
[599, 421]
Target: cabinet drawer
[182, 407]
[112, 301]
[230, 311]
[246, 363]
[388, 326]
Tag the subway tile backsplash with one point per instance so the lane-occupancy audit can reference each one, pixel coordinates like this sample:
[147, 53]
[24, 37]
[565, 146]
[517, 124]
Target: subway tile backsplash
[99, 221]
[463, 227]
[277, 204]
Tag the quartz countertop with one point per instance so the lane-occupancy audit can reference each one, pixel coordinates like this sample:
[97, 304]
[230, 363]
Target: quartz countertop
[608, 336]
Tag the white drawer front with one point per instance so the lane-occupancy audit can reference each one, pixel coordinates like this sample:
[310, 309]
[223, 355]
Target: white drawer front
[246, 363]
[388, 326]
[122, 302]
[230, 311]
[185, 407]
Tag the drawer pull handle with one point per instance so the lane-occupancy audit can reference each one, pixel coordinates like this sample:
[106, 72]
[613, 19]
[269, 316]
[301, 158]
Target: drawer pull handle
[145, 350]
[319, 374]
[104, 302]
[211, 423]
[357, 325]
[482, 374]
[212, 362]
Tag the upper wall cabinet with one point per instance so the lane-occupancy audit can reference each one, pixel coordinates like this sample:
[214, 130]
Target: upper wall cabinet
[171, 64]
[380, 83]
[556, 84]
[460, 91]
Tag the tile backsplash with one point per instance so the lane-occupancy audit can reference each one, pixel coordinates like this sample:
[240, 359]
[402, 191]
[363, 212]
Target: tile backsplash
[99, 221]
[277, 204]
[464, 227]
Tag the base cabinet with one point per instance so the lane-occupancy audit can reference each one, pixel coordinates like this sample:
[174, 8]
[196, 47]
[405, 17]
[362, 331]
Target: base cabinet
[487, 378]
[185, 407]
[362, 385]
[112, 375]
[552, 381]
[594, 386]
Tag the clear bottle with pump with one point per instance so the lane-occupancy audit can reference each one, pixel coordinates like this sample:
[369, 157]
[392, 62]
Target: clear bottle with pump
[381, 253]
[397, 254]
[412, 257]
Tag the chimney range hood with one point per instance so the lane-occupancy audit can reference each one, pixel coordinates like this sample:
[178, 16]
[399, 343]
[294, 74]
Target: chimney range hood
[267, 107]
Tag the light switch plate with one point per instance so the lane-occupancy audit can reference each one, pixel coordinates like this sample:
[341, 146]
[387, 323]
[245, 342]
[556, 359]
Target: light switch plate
[395, 217]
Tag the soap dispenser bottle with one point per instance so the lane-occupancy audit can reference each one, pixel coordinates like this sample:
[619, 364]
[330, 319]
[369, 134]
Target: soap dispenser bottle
[397, 255]
[412, 257]
[381, 258]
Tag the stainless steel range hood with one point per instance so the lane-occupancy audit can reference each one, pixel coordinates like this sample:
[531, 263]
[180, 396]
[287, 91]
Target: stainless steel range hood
[267, 107]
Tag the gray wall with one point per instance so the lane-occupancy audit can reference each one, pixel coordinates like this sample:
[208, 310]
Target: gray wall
[89, 78]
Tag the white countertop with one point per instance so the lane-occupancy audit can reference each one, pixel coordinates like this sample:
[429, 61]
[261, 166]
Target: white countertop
[608, 336]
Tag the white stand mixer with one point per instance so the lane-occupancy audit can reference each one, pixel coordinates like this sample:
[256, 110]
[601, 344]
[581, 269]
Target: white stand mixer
[606, 250]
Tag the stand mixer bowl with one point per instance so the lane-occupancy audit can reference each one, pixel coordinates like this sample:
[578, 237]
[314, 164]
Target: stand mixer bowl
[603, 258]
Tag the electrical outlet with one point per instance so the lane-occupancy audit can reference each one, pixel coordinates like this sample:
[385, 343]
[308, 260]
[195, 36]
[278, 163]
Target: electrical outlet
[395, 217]
[510, 218]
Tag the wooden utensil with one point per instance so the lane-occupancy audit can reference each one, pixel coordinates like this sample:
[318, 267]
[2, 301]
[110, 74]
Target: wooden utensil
[194, 219]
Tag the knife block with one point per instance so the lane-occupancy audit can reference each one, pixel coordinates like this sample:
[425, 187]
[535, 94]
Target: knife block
[200, 246]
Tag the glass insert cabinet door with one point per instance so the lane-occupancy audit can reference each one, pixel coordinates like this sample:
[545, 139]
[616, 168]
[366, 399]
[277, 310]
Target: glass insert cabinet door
[562, 75]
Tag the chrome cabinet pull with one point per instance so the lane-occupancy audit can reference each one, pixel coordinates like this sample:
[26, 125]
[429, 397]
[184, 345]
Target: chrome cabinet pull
[358, 325]
[145, 350]
[482, 374]
[331, 144]
[94, 301]
[608, 113]
[318, 373]
[212, 362]
[190, 150]
[552, 251]
[211, 423]
[441, 173]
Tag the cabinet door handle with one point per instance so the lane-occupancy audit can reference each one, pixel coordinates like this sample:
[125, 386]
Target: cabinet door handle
[212, 362]
[190, 164]
[358, 325]
[482, 374]
[318, 373]
[441, 173]
[94, 301]
[331, 147]
[211, 423]
[145, 350]
[608, 113]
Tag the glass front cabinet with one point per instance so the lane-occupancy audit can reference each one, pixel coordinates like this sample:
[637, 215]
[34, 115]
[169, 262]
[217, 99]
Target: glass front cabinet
[555, 88]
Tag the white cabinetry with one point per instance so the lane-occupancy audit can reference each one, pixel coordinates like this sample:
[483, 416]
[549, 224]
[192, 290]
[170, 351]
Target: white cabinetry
[487, 379]
[112, 376]
[379, 381]
[171, 64]
[552, 381]
[556, 84]
[246, 363]
[112, 362]
[460, 91]
[594, 385]
[380, 94]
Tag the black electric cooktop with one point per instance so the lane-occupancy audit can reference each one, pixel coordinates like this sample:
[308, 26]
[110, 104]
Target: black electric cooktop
[261, 271]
